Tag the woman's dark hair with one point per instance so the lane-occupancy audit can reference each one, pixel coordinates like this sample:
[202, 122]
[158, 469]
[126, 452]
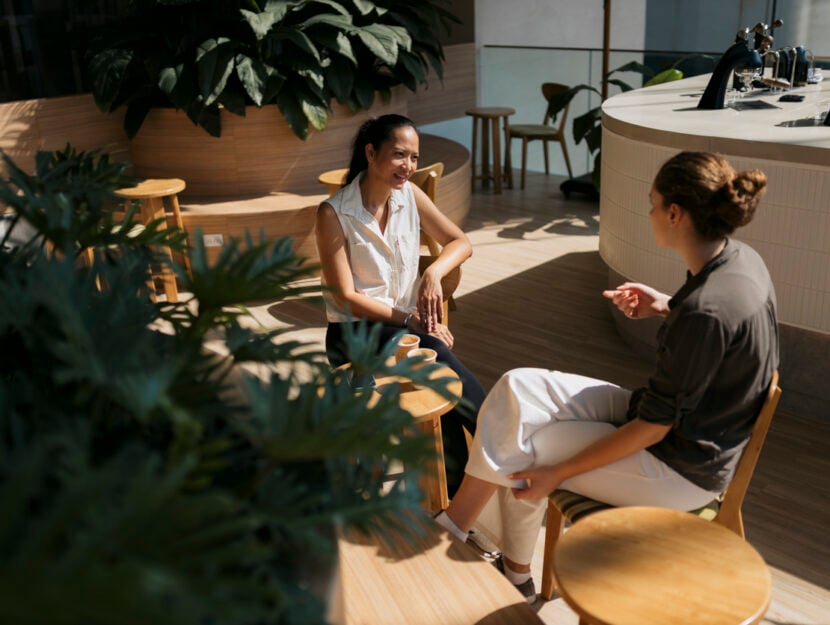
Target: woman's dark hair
[376, 131]
[707, 186]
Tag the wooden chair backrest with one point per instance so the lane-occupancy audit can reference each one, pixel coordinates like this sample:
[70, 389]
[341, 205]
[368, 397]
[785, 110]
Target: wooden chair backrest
[550, 89]
[427, 179]
[729, 514]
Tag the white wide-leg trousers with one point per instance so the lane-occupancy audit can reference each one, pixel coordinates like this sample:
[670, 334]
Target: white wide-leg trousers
[536, 417]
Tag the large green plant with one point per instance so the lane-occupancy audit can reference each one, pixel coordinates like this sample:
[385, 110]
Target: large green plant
[198, 55]
[144, 477]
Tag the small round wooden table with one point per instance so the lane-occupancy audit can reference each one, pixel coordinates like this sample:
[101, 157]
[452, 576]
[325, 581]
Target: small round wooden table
[638, 565]
[490, 117]
[426, 407]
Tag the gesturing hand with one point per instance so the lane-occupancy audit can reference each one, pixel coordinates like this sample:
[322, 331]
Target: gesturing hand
[638, 301]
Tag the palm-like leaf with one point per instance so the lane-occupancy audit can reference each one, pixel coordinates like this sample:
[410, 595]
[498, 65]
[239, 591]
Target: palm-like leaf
[145, 477]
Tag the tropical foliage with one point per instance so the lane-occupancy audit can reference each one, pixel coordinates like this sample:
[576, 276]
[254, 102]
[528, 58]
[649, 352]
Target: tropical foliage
[200, 55]
[145, 475]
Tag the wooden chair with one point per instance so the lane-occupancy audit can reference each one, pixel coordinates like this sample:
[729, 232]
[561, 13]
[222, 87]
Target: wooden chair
[427, 179]
[726, 510]
[544, 132]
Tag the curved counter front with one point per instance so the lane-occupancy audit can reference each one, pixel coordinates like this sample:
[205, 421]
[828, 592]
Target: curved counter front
[791, 230]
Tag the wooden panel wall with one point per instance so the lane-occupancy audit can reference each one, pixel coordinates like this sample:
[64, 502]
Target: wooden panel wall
[27, 126]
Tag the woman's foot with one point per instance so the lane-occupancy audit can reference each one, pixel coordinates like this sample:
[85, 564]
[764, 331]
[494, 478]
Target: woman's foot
[522, 581]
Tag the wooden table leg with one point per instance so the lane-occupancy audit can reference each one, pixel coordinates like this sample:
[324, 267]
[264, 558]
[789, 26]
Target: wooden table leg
[434, 479]
[473, 153]
[485, 151]
[508, 159]
[496, 130]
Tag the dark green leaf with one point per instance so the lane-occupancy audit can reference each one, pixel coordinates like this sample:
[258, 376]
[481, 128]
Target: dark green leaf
[136, 114]
[261, 23]
[108, 69]
[215, 62]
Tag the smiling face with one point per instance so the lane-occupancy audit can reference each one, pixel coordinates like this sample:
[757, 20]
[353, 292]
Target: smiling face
[395, 160]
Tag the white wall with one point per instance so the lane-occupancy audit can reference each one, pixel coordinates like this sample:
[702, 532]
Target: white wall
[559, 23]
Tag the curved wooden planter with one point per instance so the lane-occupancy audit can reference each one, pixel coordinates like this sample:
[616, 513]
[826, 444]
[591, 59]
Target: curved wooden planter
[256, 154]
[259, 177]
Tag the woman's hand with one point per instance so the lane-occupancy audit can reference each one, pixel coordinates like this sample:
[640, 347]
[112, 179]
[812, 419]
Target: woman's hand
[638, 301]
[541, 482]
[441, 331]
[430, 301]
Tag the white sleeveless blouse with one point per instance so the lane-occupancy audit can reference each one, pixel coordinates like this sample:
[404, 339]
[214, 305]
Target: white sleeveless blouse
[384, 265]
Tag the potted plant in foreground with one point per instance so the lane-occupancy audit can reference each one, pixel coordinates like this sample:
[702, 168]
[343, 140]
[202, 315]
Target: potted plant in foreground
[144, 477]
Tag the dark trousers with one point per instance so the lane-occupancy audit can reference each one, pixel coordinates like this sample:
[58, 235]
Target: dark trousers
[456, 420]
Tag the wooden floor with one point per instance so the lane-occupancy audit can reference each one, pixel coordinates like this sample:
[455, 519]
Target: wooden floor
[530, 296]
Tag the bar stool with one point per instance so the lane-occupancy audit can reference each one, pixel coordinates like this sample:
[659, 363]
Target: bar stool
[151, 194]
[489, 117]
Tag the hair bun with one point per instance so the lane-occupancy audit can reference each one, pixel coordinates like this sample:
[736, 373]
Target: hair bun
[741, 195]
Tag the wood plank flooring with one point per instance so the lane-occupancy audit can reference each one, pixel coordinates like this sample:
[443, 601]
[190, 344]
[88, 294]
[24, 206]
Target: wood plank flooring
[531, 296]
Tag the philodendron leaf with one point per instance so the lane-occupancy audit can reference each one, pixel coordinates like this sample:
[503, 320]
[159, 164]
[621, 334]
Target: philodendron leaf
[317, 115]
[215, 60]
[293, 112]
[624, 86]
[261, 23]
[336, 42]
[137, 111]
[585, 123]
[299, 39]
[340, 78]
[261, 81]
[108, 69]
[340, 22]
[233, 100]
[382, 41]
[365, 7]
[334, 5]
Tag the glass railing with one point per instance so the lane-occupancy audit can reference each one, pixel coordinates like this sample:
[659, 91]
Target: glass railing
[512, 76]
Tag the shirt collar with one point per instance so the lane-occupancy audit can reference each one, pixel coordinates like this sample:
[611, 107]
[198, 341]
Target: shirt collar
[353, 202]
[693, 281]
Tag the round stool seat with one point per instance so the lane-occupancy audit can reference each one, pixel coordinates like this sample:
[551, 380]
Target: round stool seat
[154, 187]
[489, 118]
[637, 565]
[490, 111]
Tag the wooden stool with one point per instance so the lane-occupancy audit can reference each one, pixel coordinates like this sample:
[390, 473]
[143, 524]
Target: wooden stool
[151, 194]
[333, 179]
[637, 565]
[489, 117]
